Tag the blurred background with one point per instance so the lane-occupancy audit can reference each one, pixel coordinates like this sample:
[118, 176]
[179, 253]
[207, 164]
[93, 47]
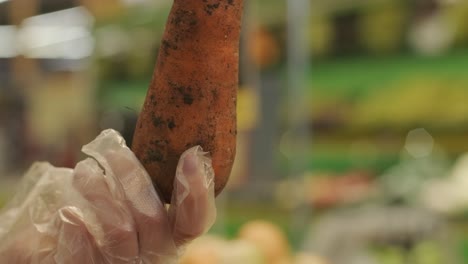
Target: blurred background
[353, 119]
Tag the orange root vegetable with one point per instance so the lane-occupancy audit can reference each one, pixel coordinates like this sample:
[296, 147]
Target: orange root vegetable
[192, 98]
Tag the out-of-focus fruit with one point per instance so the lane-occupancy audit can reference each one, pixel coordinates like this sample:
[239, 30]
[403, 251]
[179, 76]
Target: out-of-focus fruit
[306, 258]
[263, 48]
[241, 251]
[431, 36]
[205, 250]
[269, 239]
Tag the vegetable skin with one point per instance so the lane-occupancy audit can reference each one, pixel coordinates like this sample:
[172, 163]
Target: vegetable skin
[192, 98]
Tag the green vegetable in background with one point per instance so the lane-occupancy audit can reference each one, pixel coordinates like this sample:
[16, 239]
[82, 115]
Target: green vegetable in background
[382, 28]
[321, 36]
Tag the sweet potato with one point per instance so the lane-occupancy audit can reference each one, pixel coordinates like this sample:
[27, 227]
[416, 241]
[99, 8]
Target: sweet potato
[192, 98]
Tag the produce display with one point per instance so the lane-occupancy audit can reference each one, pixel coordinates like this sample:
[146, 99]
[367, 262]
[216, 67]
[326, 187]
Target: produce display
[192, 98]
[258, 242]
[384, 179]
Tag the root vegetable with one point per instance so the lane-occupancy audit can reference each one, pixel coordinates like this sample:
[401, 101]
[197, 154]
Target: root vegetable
[192, 97]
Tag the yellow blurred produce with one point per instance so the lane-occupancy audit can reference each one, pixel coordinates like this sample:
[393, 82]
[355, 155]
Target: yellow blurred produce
[321, 36]
[457, 14]
[269, 238]
[240, 251]
[104, 9]
[305, 258]
[205, 250]
[258, 242]
[214, 250]
[382, 29]
[247, 109]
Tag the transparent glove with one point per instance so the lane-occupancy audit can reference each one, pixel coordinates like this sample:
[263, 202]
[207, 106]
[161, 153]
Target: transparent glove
[106, 210]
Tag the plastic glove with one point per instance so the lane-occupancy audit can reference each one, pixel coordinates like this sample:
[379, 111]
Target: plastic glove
[106, 210]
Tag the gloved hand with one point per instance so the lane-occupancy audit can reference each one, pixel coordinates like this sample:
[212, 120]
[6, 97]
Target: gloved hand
[106, 210]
